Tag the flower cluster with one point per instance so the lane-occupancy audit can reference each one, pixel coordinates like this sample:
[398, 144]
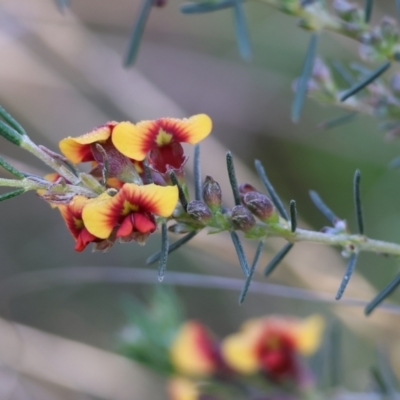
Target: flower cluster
[263, 357]
[131, 168]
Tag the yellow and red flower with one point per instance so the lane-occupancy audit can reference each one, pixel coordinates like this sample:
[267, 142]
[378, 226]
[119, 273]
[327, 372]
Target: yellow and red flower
[130, 212]
[80, 149]
[194, 351]
[85, 148]
[72, 214]
[272, 345]
[160, 139]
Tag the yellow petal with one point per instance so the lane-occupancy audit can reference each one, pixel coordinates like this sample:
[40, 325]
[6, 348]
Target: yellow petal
[159, 200]
[198, 128]
[130, 141]
[238, 351]
[308, 334]
[77, 149]
[191, 350]
[98, 216]
[135, 141]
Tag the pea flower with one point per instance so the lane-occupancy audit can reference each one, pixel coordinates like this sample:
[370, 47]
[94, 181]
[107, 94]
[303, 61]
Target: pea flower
[194, 352]
[272, 345]
[80, 149]
[130, 212]
[86, 148]
[72, 214]
[160, 140]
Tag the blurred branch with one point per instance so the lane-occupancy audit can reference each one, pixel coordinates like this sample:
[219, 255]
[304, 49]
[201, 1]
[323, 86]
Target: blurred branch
[31, 282]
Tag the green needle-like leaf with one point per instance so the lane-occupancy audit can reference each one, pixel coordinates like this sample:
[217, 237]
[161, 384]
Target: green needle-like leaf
[62, 5]
[343, 72]
[338, 121]
[11, 121]
[293, 215]
[206, 6]
[369, 78]
[302, 82]
[232, 177]
[162, 265]
[368, 10]
[252, 270]
[347, 275]
[274, 196]
[197, 173]
[174, 246]
[242, 35]
[137, 32]
[357, 202]
[277, 259]
[11, 169]
[385, 292]
[240, 253]
[10, 134]
[322, 207]
[182, 196]
[10, 195]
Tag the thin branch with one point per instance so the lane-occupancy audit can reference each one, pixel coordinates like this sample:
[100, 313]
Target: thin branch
[32, 282]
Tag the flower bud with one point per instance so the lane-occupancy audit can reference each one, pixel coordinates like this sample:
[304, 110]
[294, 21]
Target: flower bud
[261, 206]
[199, 211]
[242, 218]
[212, 194]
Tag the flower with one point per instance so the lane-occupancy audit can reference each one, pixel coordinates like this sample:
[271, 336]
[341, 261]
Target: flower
[180, 388]
[131, 211]
[79, 149]
[97, 147]
[271, 345]
[161, 139]
[193, 352]
[72, 214]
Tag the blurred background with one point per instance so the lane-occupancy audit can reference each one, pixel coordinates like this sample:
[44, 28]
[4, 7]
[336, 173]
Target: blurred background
[62, 75]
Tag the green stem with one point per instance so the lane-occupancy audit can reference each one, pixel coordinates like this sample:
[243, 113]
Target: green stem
[30, 184]
[28, 145]
[360, 242]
